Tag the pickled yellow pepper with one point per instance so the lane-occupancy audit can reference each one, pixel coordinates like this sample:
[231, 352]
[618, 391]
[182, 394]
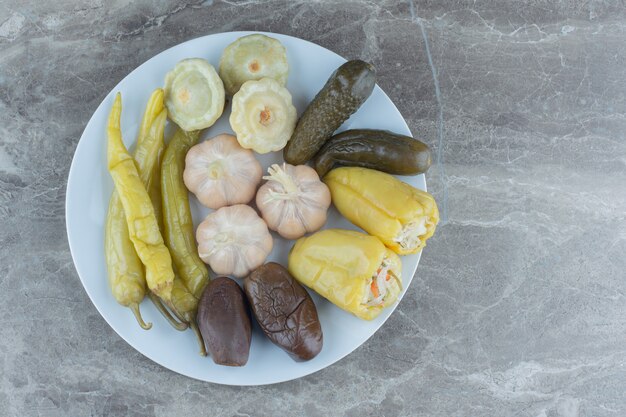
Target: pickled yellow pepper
[400, 215]
[340, 265]
[125, 271]
[143, 226]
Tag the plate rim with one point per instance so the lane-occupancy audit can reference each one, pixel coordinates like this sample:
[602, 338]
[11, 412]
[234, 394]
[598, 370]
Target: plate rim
[71, 173]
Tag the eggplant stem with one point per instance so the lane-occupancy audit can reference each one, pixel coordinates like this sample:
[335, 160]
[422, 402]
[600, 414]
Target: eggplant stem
[194, 327]
[165, 312]
[134, 307]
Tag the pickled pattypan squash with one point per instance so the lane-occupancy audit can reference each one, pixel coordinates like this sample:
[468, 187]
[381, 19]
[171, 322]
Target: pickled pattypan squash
[234, 240]
[293, 201]
[221, 173]
[194, 94]
[253, 57]
[262, 116]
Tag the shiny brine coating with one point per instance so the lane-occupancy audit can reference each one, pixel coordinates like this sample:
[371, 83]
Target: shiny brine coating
[234, 240]
[178, 224]
[253, 57]
[339, 266]
[285, 311]
[221, 173]
[342, 95]
[293, 201]
[143, 227]
[402, 216]
[377, 149]
[262, 116]
[194, 94]
[224, 322]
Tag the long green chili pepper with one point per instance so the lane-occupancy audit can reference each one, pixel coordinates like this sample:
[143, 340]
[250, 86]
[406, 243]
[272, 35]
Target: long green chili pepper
[178, 232]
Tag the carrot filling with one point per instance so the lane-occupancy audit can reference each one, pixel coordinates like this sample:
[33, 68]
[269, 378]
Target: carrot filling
[384, 283]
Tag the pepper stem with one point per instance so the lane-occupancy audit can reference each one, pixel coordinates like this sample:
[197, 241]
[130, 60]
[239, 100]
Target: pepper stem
[134, 307]
[190, 319]
[175, 312]
[194, 327]
[168, 316]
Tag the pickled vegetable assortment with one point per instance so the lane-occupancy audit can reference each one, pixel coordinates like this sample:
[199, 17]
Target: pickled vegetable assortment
[150, 242]
[253, 57]
[262, 116]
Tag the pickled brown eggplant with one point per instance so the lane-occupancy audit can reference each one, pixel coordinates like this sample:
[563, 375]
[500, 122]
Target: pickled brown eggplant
[224, 322]
[285, 311]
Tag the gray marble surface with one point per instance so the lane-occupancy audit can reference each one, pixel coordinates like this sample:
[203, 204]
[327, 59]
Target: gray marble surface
[518, 307]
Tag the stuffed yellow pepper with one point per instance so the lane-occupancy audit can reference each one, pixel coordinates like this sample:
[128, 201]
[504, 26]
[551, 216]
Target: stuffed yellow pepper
[402, 216]
[355, 271]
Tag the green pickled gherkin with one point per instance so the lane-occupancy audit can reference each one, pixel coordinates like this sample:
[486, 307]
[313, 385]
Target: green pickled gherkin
[377, 149]
[342, 95]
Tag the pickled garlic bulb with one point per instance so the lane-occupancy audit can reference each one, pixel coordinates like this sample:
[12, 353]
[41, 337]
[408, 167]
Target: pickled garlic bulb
[234, 240]
[293, 201]
[221, 173]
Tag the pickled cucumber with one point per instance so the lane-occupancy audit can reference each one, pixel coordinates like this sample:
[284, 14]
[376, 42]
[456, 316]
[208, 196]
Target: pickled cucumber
[377, 149]
[344, 92]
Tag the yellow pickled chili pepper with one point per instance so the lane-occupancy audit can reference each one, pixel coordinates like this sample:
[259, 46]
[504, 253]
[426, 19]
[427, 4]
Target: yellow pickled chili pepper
[154, 154]
[354, 271]
[402, 216]
[142, 223]
[125, 270]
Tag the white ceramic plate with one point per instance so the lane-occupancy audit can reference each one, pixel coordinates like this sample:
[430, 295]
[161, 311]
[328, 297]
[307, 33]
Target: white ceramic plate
[89, 188]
